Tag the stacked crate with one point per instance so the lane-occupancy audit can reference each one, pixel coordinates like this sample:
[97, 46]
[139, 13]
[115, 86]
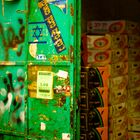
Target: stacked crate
[110, 52]
[123, 111]
[133, 88]
[94, 103]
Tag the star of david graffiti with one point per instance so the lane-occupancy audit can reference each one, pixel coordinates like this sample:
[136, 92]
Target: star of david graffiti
[37, 32]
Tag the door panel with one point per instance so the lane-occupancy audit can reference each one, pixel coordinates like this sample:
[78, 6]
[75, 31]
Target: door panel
[13, 31]
[49, 31]
[13, 94]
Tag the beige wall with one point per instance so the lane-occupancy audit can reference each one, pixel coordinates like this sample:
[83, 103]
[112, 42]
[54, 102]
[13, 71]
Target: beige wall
[110, 10]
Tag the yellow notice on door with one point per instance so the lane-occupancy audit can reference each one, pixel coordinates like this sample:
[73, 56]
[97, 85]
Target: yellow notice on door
[45, 84]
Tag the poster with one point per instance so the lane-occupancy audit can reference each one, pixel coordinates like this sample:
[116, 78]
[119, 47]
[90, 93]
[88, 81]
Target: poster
[45, 84]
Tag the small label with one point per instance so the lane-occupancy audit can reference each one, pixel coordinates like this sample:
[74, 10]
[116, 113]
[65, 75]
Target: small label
[62, 74]
[45, 84]
[41, 57]
[42, 126]
[33, 49]
[65, 136]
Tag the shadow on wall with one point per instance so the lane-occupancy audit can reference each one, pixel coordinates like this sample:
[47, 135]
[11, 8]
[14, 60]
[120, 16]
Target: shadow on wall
[110, 10]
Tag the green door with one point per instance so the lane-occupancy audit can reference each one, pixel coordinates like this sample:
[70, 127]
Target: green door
[39, 69]
[52, 50]
[13, 77]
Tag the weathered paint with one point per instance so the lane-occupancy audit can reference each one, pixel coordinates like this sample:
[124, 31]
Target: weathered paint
[40, 43]
[49, 29]
[6, 137]
[12, 98]
[12, 32]
[53, 113]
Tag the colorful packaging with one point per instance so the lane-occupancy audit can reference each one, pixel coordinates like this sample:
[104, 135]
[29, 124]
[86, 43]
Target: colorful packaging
[118, 69]
[118, 110]
[119, 41]
[118, 83]
[100, 133]
[134, 108]
[134, 124]
[117, 96]
[84, 100]
[98, 97]
[118, 134]
[98, 42]
[134, 67]
[134, 41]
[118, 123]
[104, 42]
[98, 117]
[113, 27]
[97, 76]
[133, 136]
[84, 81]
[134, 93]
[134, 80]
[102, 58]
[84, 120]
[134, 54]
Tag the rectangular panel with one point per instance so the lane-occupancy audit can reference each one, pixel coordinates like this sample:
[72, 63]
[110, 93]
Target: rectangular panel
[13, 30]
[8, 137]
[12, 99]
[50, 117]
[50, 32]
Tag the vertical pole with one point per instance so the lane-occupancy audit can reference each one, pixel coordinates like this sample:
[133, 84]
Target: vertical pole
[78, 64]
[3, 7]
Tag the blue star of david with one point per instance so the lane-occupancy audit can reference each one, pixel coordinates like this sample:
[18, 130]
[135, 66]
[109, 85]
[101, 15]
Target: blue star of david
[37, 32]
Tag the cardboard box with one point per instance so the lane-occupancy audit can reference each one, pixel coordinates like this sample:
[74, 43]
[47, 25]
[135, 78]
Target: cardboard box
[98, 42]
[134, 93]
[118, 123]
[118, 83]
[117, 96]
[134, 108]
[97, 76]
[134, 80]
[84, 100]
[95, 134]
[118, 69]
[104, 57]
[134, 67]
[84, 121]
[134, 124]
[98, 117]
[113, 27]
[100, 133]
[120, 134]
[133, 136]
[84, 81]
[134, 54]
[104, 42]
[118, 110]
[134, 41]
[98, 97]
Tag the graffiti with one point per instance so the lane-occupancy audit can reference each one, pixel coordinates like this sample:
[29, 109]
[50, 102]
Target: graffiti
[12, 97]
[12, 41]
[37, 32]
[52, 26]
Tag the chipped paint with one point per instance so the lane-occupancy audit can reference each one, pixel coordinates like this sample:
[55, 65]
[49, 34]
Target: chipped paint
[72, 29]
[71, 54]
[12, 96]
[11, 41]
[72, 10]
